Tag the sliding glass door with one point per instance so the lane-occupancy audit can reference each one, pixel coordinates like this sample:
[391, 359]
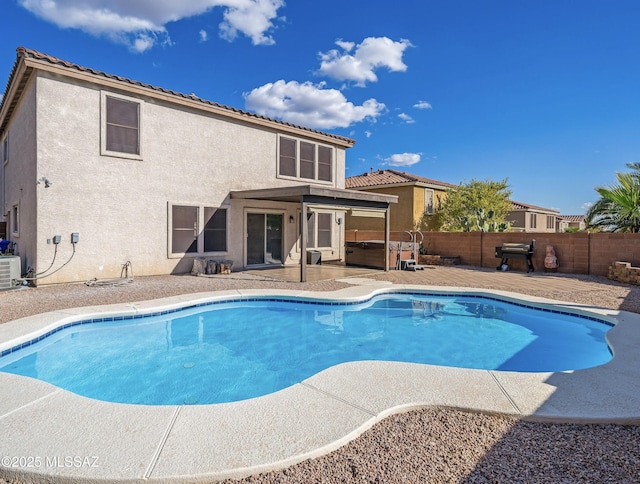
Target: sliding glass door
[264, 238]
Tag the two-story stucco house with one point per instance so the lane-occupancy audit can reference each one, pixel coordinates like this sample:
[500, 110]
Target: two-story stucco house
[98, 170]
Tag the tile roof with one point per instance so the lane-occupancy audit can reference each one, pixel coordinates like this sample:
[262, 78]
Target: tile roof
[573, 218]
[24, 53]
[381, 178]
[525, 206]
[390, 177]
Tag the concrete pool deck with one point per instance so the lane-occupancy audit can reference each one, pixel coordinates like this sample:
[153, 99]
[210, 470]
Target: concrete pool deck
[51, 433]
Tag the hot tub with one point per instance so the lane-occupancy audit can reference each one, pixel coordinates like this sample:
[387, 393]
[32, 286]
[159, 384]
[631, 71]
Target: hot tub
[370, 253]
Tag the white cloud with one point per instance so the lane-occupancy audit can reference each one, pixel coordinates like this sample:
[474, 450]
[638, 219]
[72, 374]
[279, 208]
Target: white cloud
[586, 206]
[250, 17]
[406, 118]
[422, 105]
[373, 53]
[143, 42]
[368, 134]
[309, 105]
[204, 36]
[141, 24]
[403, 159]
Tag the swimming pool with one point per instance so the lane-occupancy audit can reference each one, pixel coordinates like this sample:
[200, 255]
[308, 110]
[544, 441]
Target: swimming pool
[233, 350]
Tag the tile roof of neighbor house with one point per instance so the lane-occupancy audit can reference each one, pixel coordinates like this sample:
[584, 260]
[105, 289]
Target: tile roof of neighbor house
[380, 178]
[24, 53]
[573, 218]
[390, 177]
[532, 208]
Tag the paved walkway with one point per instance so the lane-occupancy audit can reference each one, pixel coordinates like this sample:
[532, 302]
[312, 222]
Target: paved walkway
[48, 432]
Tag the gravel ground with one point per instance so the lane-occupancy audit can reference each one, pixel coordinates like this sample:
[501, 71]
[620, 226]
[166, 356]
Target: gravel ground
[433, 445]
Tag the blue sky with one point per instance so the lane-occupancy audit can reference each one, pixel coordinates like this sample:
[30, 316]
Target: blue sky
[545, 93]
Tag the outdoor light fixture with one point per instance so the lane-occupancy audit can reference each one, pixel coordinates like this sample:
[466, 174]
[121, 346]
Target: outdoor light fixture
[291, 219]
[44, 180]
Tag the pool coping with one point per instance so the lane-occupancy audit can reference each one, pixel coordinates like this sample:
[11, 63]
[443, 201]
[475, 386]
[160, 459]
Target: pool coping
[51, 433]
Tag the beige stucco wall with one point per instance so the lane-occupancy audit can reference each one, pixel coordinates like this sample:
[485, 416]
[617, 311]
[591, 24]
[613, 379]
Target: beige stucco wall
[521, 222]
[119, 206]
[404, 214]
[20, 176]
[400, 214]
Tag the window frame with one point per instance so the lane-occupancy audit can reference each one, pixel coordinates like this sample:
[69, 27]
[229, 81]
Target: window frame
[4, 155]
[316, 163]
[533, 221]
[4, 149]
[103, 126]
[15, 220]
[200, 229]
[215, 230]
[429, 209]
[320, 230]
[551, 222]
[313, 230]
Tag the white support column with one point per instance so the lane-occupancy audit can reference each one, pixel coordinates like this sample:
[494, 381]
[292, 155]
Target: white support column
[303, 242]
[387, 229]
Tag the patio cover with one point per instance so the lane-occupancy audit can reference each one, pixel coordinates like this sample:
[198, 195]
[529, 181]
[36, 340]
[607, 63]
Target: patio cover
[312, 198]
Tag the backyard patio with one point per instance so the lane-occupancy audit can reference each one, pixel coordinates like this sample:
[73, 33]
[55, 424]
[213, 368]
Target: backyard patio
[421, 445]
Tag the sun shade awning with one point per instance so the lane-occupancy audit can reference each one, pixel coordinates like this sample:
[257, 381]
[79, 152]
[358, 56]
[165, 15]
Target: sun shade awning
[313, 198]
[367, 213]
[314, 195]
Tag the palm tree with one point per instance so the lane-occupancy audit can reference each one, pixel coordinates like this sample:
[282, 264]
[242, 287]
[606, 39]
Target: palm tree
[618, 209]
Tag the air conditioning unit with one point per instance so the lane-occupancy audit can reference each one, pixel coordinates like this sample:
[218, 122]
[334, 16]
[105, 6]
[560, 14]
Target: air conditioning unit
[9, 271]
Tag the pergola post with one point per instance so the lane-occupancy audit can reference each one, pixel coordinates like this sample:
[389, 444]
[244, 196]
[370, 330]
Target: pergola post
[303, 242]
[387, 231]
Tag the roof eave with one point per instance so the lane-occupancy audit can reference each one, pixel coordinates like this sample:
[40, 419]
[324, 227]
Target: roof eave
[25, 63]
[18, 79]
[403, 184]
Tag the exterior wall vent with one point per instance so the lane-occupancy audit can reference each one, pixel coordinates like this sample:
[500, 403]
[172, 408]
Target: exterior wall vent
[9, 271]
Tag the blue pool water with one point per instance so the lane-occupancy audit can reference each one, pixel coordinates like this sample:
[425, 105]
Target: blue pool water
[232, 351]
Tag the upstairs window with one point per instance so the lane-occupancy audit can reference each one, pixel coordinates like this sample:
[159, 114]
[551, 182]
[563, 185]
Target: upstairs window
[305, 160]
[428, 201]
[121, 126]
[551, 222]
[325, 163]
[532, 219]
[288, 157]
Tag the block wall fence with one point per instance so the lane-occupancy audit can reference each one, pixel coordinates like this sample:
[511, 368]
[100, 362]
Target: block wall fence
[577, 253]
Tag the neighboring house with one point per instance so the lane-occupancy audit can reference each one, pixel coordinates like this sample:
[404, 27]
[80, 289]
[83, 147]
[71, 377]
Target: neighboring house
[577, 222]
[417, 196]
[98, 170]
[529, 218]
